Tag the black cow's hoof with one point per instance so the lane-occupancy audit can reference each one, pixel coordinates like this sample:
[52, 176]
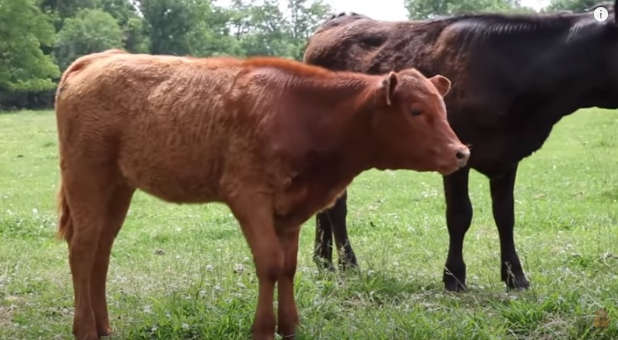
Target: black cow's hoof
[348, 263]
[324, 264]
[517, 283]
[451, 284]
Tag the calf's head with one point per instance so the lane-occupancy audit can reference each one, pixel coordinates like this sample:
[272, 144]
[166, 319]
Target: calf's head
[410, 126]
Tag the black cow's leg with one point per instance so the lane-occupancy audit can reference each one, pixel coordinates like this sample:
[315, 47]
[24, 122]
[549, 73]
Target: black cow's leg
[329, 222]
[337, 214]
[458, 218]
[504, 215]
[323, 248]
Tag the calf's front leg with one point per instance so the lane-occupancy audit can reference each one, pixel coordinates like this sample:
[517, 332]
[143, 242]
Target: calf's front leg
[259, 230]
[288, 314]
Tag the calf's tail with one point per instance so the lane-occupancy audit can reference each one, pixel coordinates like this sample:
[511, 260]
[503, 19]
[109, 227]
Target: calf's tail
[65, 222]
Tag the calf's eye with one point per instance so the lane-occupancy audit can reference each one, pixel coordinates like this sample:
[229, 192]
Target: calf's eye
[415, 112]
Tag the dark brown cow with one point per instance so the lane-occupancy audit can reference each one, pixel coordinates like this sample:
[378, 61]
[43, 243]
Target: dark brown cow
[254, 134]
[513, 78]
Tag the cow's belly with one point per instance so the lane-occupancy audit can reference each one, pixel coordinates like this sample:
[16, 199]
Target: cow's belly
[297, 204]
[172, 175]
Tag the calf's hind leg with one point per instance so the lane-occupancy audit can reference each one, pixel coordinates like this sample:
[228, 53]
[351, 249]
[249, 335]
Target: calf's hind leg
[117, 206]
[87, 197]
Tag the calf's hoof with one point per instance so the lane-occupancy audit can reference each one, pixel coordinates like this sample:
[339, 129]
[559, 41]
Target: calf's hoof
[86, 336]
[104, 331]
[263, 336]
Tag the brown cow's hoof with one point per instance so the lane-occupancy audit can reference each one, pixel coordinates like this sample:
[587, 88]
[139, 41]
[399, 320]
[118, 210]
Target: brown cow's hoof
[263, 336]
[107, 331]
[87, 336]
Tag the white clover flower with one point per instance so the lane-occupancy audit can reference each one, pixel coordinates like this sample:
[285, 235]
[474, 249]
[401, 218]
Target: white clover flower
[238, 268]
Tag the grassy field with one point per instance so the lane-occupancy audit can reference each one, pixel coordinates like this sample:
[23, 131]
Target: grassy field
[180, 272]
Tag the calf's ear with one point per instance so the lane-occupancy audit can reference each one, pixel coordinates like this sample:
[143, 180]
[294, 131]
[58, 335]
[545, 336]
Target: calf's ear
[389, 83]
[441, 83]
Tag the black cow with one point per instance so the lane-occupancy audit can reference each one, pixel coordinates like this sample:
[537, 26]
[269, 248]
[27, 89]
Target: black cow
[513, 78]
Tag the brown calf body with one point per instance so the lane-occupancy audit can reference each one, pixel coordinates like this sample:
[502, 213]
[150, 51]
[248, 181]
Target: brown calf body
[254, 134]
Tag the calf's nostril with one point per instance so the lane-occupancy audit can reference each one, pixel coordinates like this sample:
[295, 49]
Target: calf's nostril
[463, 154]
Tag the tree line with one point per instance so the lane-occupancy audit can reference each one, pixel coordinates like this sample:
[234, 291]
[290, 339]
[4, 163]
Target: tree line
[40, 38]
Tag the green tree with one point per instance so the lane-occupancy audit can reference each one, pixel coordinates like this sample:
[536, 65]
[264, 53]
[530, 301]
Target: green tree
[168, 23]
[62, 9]
[305, 16]
[131, 23]
[66, 8]
[260, 28]
[91, 30]
[423, 9]
[211, 32]
[572, 5]
[24, 30]
[264, 29]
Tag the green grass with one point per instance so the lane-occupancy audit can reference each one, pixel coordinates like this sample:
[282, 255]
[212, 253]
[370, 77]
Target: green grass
[185, 271]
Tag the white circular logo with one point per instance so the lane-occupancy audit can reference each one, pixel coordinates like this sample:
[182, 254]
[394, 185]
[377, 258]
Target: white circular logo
[601, 14]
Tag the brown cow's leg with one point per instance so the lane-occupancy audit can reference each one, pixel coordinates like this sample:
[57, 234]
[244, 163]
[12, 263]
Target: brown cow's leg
[458, 218]
[86, 201]
[504, 215]
[288, 314]
[117, 207]
[257, 226]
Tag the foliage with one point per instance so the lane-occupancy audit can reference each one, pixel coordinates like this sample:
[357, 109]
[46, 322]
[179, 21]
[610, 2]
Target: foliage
[23, 64]
[185, 271]
[304, 19]
[572, 5]
[168, 23]
[132, 25]
[423, 9]
[264, 29]
[66, 8]
[91, 30]
[62, 9]
[178, 27]
[261, 29]
[210, 35]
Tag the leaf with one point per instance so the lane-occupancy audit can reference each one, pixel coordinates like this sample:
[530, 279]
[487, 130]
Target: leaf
[601, 319]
